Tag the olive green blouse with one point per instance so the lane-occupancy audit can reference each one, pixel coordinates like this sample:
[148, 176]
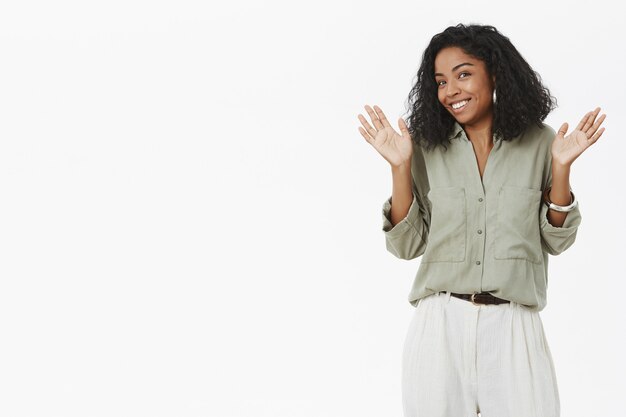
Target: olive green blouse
[478, 235]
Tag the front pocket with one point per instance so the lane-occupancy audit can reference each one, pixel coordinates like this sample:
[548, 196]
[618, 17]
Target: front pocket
[518, 234]
[448, 225]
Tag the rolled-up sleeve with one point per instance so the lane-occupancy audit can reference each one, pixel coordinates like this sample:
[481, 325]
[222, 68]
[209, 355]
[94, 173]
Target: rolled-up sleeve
[408, 238]
[555, 240]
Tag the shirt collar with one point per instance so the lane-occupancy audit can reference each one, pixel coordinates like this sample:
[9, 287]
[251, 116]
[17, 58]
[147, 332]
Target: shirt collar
[458, 131]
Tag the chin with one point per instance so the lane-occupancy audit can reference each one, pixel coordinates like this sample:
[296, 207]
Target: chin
[461, 119]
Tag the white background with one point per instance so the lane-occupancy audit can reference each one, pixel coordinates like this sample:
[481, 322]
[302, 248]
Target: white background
[190, 221]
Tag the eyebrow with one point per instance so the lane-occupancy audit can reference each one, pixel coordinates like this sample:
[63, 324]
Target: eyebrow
[455, 68]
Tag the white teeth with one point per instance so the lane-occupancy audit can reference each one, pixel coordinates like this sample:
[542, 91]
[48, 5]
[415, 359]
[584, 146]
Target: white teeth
[459, 104]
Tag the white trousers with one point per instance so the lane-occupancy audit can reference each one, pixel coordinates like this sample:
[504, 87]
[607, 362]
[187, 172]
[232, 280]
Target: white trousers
[464, 360]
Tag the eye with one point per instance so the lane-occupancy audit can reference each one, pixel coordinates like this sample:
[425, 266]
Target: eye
[439, 83]
[464, 73]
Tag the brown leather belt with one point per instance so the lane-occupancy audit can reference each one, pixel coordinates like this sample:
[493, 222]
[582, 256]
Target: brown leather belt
[480, 298]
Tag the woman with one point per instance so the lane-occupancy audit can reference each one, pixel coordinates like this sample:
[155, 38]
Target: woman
[481, 192]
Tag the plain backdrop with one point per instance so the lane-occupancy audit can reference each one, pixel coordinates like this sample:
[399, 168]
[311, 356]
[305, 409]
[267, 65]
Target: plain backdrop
[190, 221]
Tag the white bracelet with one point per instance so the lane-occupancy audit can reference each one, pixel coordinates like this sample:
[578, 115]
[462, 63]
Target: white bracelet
[550, 204]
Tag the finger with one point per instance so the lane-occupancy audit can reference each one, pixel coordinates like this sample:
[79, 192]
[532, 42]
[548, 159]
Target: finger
[382, 116]
[595, 126]
[403, 127]
[562, 130]
[366, 135]
[368, 128]
[583, 121]
[377, 124]
[595, 137]
[590, 120]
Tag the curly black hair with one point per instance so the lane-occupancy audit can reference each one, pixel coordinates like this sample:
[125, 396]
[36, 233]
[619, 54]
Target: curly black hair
[522, 99]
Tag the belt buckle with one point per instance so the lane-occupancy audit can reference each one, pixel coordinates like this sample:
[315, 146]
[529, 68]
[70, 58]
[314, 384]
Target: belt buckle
[473, 302]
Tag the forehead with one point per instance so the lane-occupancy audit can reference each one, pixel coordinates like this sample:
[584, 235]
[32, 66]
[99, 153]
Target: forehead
[451, 56]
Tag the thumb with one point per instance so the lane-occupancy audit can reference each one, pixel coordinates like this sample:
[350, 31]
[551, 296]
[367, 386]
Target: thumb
[403, 128]
[562, 130]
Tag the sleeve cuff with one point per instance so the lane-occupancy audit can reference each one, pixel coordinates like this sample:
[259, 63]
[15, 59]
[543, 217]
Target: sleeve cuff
[409, 221]
[572, 221]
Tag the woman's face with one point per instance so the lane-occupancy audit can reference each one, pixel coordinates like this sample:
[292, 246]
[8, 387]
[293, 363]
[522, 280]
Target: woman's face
[461, 77]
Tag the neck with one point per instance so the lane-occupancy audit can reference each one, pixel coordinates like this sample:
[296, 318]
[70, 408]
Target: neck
[481, 133]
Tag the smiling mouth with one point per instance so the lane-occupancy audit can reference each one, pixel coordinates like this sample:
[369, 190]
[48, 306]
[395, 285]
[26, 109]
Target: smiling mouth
[459, 109]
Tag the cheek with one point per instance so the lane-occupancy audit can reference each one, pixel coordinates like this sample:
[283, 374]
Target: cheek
[478, 88]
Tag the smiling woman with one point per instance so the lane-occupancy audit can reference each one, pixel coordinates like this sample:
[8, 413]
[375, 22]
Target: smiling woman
[481, 192]
[475, 64]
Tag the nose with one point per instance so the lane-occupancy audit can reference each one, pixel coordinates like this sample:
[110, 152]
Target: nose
[452, 89]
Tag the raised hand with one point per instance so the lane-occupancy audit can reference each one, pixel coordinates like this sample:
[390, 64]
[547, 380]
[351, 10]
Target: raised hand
[396, 148]
[565, 149]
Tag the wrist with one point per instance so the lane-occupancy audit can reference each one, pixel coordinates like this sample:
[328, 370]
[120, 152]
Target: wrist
[402, 168]
[559, 167]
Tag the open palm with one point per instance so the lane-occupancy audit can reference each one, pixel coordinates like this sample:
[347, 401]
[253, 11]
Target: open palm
[396, 148]
[565, 149]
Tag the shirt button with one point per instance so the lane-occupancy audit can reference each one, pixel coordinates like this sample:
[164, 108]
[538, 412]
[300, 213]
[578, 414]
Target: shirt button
[480, 199]
[479, 231]
[477, 262]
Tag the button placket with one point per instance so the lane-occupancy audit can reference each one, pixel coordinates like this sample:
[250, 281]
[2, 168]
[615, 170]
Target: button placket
[480, 230]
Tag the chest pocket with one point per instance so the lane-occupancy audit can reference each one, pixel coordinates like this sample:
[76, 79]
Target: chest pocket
[448, 225]
[517, 234]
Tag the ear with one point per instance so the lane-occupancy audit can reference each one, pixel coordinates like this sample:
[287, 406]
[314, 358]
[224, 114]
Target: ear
[493, 79]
